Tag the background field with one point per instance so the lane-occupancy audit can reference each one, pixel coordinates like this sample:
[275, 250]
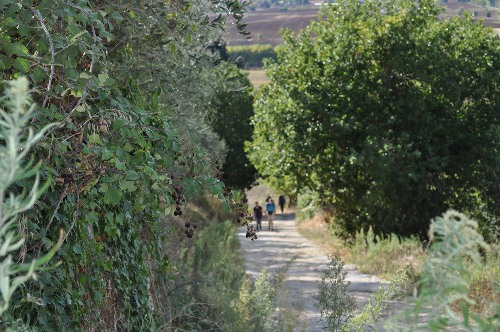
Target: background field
[264, 24]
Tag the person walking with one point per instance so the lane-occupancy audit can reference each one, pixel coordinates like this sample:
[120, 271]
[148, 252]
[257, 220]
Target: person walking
[257, 213]
[270, 209]
[281, 202]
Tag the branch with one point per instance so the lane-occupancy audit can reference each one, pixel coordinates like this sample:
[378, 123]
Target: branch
[63, 195]
[62, 123]
[94, 37]
[51, 47]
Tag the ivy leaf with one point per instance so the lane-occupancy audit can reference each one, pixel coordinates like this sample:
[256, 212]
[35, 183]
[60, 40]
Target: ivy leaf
[127, 186]
[107, 154]
[112, 196]
[102, 78]
[119, 165]
[38, 75]
[226, 206]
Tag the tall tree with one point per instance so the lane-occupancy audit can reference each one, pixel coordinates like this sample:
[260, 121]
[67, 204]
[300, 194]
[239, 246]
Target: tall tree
[232, 108]
[390, 113]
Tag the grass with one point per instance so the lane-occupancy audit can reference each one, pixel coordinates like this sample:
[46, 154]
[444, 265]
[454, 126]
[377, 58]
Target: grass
[483, 283]
[257, 77]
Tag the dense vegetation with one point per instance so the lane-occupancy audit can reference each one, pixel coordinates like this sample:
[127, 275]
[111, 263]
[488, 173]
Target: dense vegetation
[130, 86]
[388, 113]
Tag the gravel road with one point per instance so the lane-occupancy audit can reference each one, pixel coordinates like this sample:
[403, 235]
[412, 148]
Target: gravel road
[273, 249]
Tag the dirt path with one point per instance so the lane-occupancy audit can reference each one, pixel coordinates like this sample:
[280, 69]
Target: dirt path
[273, 249]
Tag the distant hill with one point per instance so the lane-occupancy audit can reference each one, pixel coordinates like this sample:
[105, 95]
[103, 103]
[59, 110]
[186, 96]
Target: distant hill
[264, 24]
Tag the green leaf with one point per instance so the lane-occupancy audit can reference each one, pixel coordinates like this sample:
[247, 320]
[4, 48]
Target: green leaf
[95, 139]
[15, 48]
[119, 165]
[92, 217]
[226, 206]
[85, 75]
[131, 175]
[77, 249]
[102, 78]
[107, 154]
[112, 196]
[128, 186]
[22, 65]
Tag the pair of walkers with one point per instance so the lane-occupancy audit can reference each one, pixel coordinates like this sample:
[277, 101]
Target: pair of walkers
[270, 211]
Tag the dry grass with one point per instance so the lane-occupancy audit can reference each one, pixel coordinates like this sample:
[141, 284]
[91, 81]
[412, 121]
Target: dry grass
[382, 260]
[316, 230]
[257, 77]
[483, 281]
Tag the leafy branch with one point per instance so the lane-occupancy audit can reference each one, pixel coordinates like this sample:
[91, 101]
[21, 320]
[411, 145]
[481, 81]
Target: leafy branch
[16, 147]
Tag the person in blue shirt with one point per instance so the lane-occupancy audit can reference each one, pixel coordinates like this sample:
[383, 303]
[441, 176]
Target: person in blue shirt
[271, 210]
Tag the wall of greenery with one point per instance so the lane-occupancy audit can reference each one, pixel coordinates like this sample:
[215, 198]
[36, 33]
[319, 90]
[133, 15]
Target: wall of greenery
[129, 85]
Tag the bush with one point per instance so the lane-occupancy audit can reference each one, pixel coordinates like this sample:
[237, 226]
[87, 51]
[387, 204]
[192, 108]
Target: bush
[443, 282]
[307, 204]
[334, 301]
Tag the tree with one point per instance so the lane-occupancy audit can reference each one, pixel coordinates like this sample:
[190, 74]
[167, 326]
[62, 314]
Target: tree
[388, 112]
[230, 119]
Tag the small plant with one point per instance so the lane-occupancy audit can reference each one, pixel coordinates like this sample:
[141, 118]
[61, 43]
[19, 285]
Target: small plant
[378, 302]
[454, 240]
[256, 304]
[15, 144]
[336, 305]
[307, 204]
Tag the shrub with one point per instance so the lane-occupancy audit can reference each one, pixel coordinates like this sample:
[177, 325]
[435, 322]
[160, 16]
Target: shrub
[307, 204]
[15, 143]
[442, 284]
[383, 255]
[255, 304]
[334, 301]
